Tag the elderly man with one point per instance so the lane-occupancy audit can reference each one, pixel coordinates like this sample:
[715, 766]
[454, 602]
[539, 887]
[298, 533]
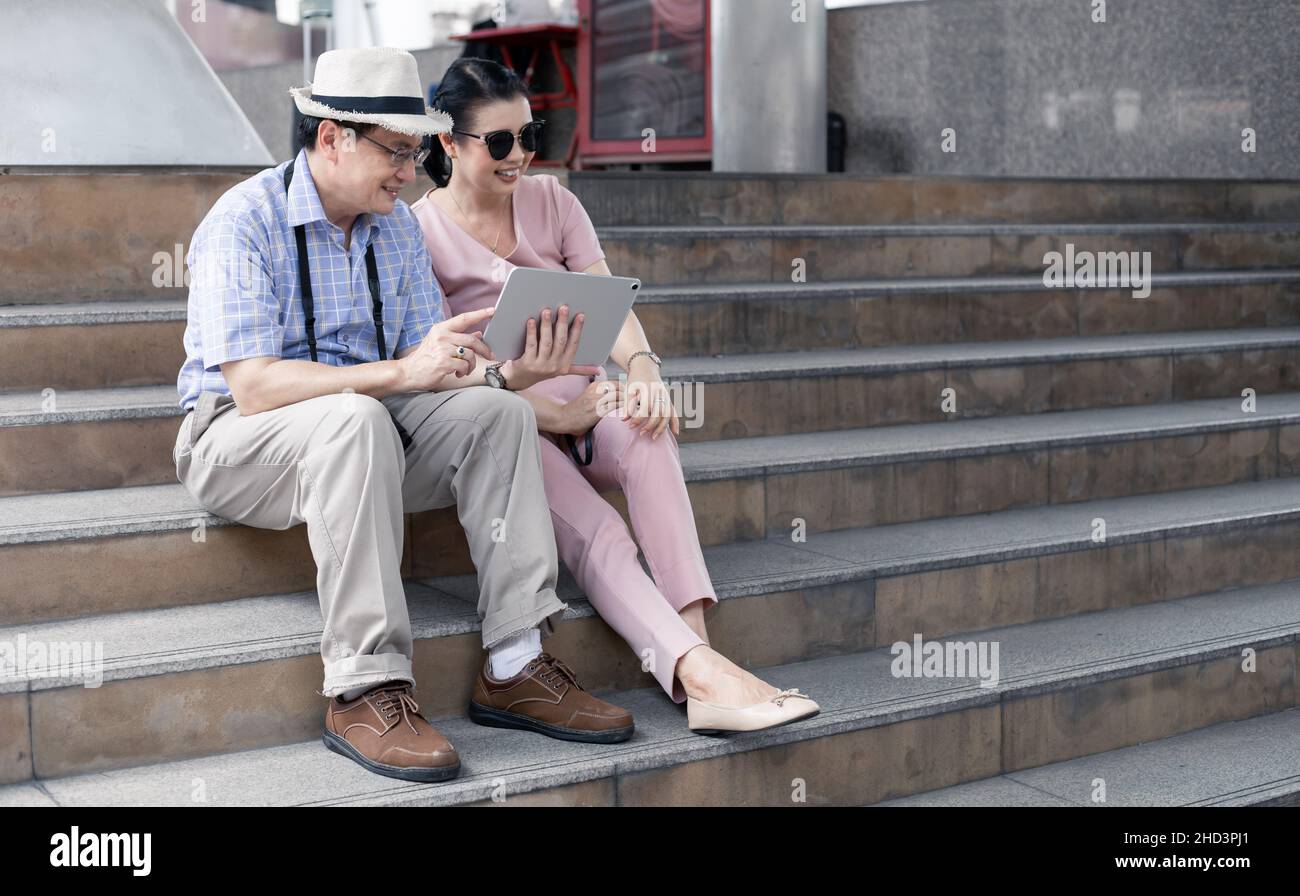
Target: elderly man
[302, 276]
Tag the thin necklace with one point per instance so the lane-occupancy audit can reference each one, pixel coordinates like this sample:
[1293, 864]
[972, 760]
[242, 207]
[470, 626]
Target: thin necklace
[500, 226]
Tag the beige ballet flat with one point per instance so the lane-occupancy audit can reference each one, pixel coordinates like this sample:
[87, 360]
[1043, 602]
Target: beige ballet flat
[788, 706]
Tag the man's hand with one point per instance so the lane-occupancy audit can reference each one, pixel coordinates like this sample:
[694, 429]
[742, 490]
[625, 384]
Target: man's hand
[548, 351]
[450, 346]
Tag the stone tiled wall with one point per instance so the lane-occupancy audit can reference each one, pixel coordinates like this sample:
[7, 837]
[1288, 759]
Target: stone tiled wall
[1034, 88]
[1031, 88]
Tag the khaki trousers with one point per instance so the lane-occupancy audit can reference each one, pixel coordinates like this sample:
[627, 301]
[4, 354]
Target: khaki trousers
[336, 463]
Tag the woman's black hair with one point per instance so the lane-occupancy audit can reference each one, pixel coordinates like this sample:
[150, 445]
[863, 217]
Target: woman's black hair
[469, 83]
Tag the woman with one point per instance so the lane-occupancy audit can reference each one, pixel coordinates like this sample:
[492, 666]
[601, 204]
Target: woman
[485, 216]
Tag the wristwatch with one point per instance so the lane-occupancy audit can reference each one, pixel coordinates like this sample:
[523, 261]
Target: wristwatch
[652, 355]
[494, 377]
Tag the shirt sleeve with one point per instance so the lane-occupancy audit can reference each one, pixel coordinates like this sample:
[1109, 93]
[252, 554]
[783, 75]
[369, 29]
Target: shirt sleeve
[579, 244]
[423, 298]
[233, 294]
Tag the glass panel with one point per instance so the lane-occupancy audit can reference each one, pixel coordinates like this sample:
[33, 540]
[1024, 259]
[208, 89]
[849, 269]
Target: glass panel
[648, 68]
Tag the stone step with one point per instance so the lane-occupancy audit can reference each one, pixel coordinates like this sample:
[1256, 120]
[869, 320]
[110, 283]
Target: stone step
[75, 553]
[246, 670]
[686, 254]
[682, 197]
[1064, 689]
[125, 435]
[738, 319]
[1252, 762]
[750, 488]
[677, 254]
[140, 215]
[776, 393]
[106, 439]
[95, 235]
[93, 345]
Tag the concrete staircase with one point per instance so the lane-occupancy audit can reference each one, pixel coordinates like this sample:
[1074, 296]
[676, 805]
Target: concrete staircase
[1120, 659]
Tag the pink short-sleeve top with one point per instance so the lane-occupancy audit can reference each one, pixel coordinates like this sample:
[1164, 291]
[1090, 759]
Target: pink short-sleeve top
[552, 230]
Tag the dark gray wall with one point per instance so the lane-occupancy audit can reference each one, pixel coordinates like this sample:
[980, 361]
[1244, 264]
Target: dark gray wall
[1035, 88]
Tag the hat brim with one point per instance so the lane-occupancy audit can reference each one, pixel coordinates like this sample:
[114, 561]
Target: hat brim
[433, 121]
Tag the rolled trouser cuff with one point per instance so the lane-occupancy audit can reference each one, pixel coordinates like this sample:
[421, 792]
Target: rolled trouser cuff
[368, 668]
[546, 613]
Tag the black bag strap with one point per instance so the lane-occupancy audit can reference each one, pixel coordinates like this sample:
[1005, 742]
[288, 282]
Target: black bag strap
[304, 273]
[588, 447]
[304, 280]
[308, 304]
[372, 280]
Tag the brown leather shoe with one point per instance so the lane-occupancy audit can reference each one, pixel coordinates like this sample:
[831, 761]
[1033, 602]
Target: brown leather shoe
[384, 731]
[545, 697]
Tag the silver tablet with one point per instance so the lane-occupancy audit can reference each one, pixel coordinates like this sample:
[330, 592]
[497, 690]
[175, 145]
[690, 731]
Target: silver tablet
[605, 301]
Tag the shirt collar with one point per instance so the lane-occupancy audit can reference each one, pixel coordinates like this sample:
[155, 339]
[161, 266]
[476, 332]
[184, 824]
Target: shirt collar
[305, 205]
[304, 202]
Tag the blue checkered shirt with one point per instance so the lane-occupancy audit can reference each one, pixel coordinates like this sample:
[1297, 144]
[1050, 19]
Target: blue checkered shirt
[245, 301]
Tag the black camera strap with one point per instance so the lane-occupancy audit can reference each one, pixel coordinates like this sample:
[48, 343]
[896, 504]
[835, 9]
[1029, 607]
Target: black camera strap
[308, 305]
[573, 448]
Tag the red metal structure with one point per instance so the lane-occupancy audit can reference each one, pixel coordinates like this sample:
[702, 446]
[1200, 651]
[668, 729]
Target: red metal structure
[643, 64]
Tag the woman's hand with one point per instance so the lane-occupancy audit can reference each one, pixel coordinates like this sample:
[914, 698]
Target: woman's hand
[649, 404]
[548, 351]
[599, 399]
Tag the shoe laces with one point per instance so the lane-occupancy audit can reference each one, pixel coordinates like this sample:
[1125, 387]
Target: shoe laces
[392, 702]
[553, 671]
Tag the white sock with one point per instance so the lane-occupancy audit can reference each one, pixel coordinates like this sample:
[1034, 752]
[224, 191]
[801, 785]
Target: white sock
[511, 655]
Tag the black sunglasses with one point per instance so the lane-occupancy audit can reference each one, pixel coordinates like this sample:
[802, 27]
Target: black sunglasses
[499, 143]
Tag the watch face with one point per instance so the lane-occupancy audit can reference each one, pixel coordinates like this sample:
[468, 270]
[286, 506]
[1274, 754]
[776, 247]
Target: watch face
[494, 378]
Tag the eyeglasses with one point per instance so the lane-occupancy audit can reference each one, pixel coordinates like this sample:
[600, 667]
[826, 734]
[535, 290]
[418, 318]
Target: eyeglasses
[499, 143]
[399, 157]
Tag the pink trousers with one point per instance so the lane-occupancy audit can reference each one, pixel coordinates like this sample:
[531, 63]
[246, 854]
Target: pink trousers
[594, 542]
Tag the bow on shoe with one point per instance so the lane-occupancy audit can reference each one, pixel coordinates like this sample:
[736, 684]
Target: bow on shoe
[780, 698]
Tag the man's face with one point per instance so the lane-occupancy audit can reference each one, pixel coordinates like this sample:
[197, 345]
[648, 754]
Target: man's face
[363, 177]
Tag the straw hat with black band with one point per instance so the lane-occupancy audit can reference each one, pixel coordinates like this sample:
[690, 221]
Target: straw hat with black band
[371, 85]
